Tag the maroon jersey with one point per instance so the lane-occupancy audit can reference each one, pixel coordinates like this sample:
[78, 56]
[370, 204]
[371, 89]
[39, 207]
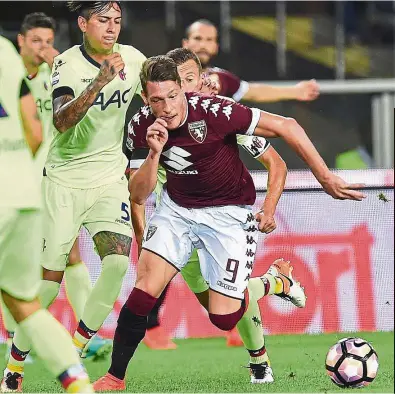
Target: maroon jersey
[230, 85]
[201, 157]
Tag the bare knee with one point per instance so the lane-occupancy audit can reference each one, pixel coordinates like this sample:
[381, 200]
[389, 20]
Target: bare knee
[53, 276]
[74, 255]
[228, 321]
[20, 309]
[153, 273]
[225, 312]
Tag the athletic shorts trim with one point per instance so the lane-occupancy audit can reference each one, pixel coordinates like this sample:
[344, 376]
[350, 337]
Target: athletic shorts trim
[159, 255]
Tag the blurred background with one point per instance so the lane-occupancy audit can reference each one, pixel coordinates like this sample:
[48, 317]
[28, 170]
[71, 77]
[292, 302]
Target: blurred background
[348, 46]
[344, 253]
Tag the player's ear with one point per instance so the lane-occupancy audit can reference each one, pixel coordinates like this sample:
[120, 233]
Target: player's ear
[82, 23]
[144, 97]
[185, 43]
[21, 40]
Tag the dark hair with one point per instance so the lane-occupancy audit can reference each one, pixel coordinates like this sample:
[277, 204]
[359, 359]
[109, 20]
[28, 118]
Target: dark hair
[88, 8]
[158, 69]
[205, 22]
[182, 55]
[37, 19]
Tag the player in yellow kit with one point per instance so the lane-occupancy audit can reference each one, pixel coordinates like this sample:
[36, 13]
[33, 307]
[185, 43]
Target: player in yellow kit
[84, 182]
[36, 40]
[20, 232]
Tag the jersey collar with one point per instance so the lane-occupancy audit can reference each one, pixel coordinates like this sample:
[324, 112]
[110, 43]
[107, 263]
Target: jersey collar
[87, 57]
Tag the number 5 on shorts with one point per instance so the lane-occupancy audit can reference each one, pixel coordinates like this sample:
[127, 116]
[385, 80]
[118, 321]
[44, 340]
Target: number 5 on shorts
[125, 210]
[232, 266]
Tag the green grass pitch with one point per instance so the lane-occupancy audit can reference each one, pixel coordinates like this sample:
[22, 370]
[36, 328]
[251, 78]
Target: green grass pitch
[207, 365]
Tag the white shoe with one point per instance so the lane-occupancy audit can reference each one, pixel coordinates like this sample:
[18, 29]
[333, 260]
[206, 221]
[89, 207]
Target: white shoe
[261, 373]
[293, 291]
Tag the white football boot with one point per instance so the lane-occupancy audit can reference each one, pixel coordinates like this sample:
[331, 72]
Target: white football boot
[293, 291]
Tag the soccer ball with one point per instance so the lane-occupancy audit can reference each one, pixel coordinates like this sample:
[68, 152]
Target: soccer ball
[352, 362]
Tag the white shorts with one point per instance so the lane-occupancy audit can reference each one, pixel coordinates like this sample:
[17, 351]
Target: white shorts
[225, 236]
[20, 249]
[105, 208]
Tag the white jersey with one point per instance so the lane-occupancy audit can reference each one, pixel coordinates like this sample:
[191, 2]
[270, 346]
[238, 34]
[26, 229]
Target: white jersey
[19, 185]
[89, 154]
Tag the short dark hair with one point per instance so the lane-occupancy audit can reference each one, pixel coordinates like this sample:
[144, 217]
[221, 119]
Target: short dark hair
[158, 69]
[88, 8]
[202, 21]
[182, 55]
[37, 19]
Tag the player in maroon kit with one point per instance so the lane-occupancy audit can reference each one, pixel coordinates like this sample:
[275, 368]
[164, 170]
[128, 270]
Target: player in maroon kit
[201, 37]
[207, 202]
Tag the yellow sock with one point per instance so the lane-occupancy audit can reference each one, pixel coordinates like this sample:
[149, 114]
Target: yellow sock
[279, 287]
[54, 347]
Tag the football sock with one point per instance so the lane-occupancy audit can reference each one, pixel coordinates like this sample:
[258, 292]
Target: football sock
[102, 298]
[130, 331]
[78, 287]
[250, 327]
[153, 317]
[53, 346]
[21, 345]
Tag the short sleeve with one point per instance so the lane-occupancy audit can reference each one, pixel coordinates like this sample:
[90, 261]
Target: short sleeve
[254, 145]
[24, 91]
[63, 78]
[136, 144]
[228, 117]
[231, 85]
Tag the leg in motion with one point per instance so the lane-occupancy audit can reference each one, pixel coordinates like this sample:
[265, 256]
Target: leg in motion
[114, 250]
[153, 275]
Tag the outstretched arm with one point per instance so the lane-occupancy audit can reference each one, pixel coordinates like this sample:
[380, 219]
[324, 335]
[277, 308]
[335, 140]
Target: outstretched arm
[270, 125]
[263, 93]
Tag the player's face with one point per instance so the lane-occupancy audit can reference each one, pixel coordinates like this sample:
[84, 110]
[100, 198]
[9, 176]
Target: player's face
[102, 30]
[33, 42]
[167, 101]
[190, 76]
[203, 41]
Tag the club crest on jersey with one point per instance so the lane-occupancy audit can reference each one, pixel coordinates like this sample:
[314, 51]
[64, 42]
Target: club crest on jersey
[198, 130]
[151, 231]
[122, 75]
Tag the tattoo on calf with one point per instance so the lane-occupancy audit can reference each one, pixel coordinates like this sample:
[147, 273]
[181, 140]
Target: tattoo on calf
[108, 243]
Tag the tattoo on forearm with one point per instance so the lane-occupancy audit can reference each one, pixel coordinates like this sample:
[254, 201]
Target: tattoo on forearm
[68, 111]
[108, 243]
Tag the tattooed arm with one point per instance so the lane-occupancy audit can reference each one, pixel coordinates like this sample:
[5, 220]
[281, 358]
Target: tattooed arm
[68, 111]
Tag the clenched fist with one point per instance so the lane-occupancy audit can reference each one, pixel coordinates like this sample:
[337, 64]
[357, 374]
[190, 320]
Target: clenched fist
[157, 135]
[267, 224]
[110, 68]
[307, 90]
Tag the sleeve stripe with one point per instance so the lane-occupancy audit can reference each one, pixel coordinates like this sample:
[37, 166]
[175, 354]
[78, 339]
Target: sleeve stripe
[256, 114]
[62, 91]
[24, 89]
[135, 164]
[243, 89]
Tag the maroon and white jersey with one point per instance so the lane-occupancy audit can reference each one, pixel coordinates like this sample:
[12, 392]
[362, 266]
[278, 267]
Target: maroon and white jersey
[201, 157]
[230, 85]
